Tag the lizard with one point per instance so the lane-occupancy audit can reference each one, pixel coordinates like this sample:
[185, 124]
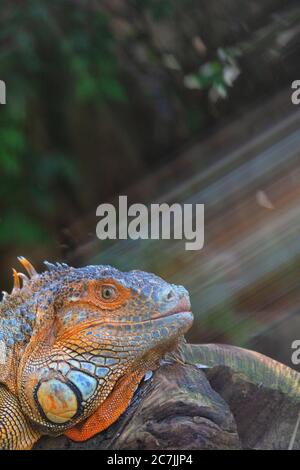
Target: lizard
[76, 342]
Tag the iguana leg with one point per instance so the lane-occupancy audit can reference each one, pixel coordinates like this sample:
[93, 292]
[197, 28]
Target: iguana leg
[109, 411]
[16, 432]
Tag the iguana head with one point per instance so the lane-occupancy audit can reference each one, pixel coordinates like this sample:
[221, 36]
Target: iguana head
[87, 329]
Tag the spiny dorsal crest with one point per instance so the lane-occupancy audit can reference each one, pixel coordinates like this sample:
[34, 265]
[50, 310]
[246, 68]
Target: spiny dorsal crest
[22, 280]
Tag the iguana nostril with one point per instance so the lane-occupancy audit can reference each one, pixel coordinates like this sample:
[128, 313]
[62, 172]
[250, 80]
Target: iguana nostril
[168, 295]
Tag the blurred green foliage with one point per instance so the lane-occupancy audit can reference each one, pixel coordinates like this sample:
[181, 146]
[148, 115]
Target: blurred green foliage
[157, 9]
[217, 75]
[53, 58]
[60, 60]
[98, 93]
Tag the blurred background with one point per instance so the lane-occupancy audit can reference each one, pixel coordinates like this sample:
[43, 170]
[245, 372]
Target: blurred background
[164, 101]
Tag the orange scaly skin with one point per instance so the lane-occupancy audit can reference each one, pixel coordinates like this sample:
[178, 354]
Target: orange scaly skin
[75, 344]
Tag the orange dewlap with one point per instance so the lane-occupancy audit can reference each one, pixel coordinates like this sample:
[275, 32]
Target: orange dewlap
[109, 411]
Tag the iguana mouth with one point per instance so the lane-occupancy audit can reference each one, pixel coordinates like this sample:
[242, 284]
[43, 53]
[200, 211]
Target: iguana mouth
[158, 316]
[168, 314]
[182, 307]
[181, 313]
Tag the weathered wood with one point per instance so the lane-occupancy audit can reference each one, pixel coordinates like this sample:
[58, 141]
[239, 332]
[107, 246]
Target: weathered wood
[266, 418]
[244, 401]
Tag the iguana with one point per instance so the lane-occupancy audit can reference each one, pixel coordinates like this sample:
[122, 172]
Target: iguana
[75, 343]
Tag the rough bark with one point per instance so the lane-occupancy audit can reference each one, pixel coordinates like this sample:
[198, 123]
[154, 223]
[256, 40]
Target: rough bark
[221, 407]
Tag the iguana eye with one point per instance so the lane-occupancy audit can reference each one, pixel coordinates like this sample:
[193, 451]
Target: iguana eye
[108, 292]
